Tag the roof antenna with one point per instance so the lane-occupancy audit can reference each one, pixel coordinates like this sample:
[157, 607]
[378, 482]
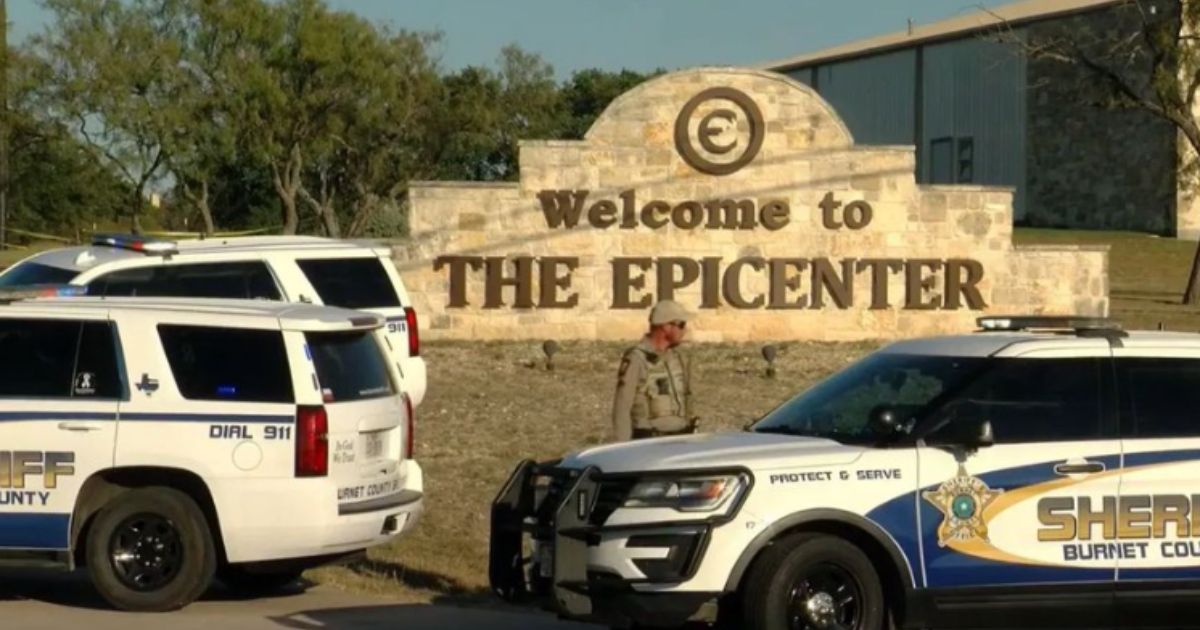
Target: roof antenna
[910, 26]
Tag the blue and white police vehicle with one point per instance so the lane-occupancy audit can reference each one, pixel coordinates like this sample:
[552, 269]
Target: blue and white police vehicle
[1042, 472]
[284, 268]
[162, 441]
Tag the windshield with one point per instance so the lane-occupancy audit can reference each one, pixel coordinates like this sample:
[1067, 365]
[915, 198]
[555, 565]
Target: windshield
[30, 273]
[839, 408]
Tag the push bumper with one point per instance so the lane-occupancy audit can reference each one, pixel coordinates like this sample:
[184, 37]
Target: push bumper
[557, 510]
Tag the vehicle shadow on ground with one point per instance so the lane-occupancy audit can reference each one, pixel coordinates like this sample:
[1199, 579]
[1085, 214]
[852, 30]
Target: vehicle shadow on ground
[423, 617]
[75, 590]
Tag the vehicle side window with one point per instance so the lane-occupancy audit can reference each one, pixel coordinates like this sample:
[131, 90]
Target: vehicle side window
[1162, 396]
[351, 282]
[235, 280]
[1033, 400]
[228, 364]
[38, 357]
[97, 371]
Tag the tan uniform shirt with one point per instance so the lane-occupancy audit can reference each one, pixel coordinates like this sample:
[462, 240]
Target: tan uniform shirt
[654, 393]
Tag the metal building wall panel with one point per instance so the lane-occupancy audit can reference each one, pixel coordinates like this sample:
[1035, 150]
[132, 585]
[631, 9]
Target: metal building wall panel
[874, 95]
[976, 88]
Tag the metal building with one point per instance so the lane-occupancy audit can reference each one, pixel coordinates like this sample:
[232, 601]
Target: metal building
[978, 110]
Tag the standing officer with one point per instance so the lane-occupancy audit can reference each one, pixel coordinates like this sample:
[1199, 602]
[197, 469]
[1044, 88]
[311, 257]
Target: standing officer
[654, 393]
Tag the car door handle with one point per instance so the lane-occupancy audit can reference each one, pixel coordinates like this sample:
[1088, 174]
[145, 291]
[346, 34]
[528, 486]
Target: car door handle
[80, 426]
[1080, 468]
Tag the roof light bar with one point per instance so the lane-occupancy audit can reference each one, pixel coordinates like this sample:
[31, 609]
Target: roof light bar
[1046, 322]
[30, 292]
[136, 244]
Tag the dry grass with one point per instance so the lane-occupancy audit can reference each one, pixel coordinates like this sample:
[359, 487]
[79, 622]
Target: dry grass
[486, 410]
[12, 255]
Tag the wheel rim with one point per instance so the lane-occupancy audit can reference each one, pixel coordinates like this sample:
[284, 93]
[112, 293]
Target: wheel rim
[146, 552]
[825, 596]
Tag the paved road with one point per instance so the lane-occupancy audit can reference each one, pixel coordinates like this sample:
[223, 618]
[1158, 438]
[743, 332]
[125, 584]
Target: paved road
[45, 600]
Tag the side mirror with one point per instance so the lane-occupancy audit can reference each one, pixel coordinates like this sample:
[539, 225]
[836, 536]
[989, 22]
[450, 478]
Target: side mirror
[981, 434]
[970, 433]
[885, 421]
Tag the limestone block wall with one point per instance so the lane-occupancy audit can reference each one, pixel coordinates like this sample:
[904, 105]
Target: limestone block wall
[819, 201]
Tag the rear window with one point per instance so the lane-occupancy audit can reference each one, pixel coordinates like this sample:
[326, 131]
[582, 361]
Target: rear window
[351, 282]
[248, 280]
[28, 273]
[228, 364]
[350, 366]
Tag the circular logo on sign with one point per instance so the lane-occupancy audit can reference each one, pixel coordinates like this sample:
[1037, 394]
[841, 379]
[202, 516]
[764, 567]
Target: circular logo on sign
[724, 150]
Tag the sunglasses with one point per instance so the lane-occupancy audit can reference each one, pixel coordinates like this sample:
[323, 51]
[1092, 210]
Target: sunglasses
[680, 325]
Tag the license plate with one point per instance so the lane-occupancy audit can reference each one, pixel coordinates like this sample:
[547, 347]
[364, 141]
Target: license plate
[373, 445]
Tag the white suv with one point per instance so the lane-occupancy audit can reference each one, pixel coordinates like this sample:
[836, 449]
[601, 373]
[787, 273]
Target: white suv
[162, 441]
[1043, 472]
[288, 268]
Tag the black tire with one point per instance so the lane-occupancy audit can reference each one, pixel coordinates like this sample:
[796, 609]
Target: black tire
[239, 581]
[802, 575]
[160, 521]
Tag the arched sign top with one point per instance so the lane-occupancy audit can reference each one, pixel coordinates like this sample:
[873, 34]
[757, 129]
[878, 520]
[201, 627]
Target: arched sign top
[720, 120]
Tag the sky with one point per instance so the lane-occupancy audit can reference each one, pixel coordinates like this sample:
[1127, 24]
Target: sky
[613, 34]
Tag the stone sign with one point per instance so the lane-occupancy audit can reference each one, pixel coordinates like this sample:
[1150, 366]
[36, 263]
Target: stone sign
[740, 194]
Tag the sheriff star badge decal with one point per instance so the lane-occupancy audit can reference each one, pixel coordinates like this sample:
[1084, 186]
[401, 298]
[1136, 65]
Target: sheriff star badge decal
[961, 501]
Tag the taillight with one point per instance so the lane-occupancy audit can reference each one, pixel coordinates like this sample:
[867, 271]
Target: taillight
[414, 339]
[410, 428]
[312, 442]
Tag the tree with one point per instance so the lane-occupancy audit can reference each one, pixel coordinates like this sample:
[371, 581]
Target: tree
[1152, 64]
[387, 142]
[482, 114]
[54, 184]
[590, 91]
[312, 73]
[210, 38]
[113, 74]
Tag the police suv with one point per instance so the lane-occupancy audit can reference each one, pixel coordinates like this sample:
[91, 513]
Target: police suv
[287, 268]
[162, 441]
[1041, 472]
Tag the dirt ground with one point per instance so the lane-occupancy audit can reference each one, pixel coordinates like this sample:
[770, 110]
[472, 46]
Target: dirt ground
[492, 404]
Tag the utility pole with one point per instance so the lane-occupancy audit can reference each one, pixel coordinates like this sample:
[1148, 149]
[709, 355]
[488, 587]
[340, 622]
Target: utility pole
[3, 124]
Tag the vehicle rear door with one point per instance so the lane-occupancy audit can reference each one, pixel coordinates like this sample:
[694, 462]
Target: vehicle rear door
[1000, 525]
[369, 435]
[1159, 511]
[60, 387]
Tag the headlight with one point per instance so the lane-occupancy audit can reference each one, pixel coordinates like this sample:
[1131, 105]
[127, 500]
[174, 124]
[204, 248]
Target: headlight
[689, 494]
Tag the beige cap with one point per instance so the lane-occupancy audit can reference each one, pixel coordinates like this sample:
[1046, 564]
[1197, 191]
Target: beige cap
[668, 311]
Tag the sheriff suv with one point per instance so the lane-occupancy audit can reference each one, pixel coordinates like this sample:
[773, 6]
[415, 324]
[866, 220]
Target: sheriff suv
[161, 442]
[285, 268]
[1040, 472]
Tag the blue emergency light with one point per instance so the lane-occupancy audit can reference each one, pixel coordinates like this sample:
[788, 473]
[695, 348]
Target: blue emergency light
[135, 244]
[30, 292]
